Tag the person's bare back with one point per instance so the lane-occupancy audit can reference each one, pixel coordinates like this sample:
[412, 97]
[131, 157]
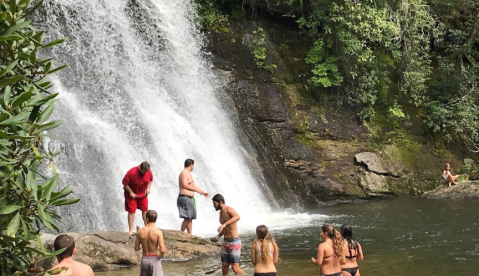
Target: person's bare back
[75, 268]
[150, 239]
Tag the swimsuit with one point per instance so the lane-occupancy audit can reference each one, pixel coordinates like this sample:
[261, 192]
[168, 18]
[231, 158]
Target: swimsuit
[334, 255]
[186, 207]
[258, 254]
[265, 274]
[351, 270]
[231, 250]
[151, 266]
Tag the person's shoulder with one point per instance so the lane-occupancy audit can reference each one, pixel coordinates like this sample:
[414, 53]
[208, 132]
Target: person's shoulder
[84, 267]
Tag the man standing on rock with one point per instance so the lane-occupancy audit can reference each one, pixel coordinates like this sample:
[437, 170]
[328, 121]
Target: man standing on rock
[186, 202]
[137, 183]
[231, 248]
[65, 259]
[150, 239]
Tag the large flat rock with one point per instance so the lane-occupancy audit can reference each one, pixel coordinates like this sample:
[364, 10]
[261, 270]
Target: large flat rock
[111, 250]
[464, 190]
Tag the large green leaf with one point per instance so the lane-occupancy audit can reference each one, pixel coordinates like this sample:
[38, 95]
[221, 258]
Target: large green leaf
[15, 28]
[13, 225]
[6, 95]
[37, 101]
[9, 209]
[30, 181]
[49, 186]
[16, 119]
[10, 80]
[8, 68]
[65, 201]
[49, 125]
[21, 98]
[45, 114]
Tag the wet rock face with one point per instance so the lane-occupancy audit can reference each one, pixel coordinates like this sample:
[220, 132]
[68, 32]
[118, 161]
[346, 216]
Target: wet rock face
[111, 250]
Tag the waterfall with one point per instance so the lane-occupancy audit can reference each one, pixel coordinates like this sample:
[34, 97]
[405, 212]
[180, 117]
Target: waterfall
[140, 89]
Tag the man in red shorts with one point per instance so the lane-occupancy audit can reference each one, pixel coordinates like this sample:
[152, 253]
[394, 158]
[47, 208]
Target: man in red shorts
[137, 183]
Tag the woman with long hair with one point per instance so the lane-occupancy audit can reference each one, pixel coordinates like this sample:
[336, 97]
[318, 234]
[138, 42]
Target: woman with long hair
[448, 177]
[352, 252]
[330, 252]
[264, 253]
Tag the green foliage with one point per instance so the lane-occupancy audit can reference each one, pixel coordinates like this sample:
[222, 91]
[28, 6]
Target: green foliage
[259, 50]
[325, 70]
[209, 17]
[26, 196]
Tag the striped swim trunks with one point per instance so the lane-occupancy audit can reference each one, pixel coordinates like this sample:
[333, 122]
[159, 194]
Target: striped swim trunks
[231, 250]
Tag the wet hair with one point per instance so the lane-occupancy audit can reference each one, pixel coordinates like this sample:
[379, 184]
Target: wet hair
[347, 233]
[334, 235]
[262, 234]
[219, 198]
[64, 241]
[144, 167]
[189, 162]
[151, 216]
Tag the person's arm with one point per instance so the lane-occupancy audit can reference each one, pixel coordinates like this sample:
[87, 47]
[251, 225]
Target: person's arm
[191, 186]
[234, 218]
[443, 174]
[137, 241]
[217, 237]
[161, 244]
[148, 188]
[253, 254]
[91, 271]
[319, 256]
[275, 255]
[127, 188]
[360, 256]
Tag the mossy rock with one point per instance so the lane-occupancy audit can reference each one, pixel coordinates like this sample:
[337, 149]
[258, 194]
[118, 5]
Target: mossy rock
[463, 178]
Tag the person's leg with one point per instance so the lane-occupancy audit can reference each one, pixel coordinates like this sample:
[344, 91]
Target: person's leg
[131, 219]
[225, 267]
[143, 214]
[189, 227]
[184, 225]
[236, 269]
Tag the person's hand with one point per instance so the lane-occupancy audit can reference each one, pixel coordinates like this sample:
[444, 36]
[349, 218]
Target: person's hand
[147, 191]
[215, 239]
[205, 194]
[221, 228]
[132, 195]
[313, 260]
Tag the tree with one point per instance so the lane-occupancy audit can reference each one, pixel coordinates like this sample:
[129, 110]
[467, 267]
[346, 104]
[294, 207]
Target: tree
[27, 197]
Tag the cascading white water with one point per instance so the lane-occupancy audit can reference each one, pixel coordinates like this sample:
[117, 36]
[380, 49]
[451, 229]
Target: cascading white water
[138, 88]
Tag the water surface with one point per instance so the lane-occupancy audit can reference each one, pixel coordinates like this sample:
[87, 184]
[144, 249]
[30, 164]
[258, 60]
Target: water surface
[399, 237]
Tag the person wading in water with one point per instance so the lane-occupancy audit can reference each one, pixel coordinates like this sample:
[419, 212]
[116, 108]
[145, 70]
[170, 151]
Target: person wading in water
[264, 253]
[330, 252]
[352, 252]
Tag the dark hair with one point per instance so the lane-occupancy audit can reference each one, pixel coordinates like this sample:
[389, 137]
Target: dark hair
[144, 167]
[189, 162]
[151, 216]
[219, 198]
[334, 235]
[347, 233]
[64, 241]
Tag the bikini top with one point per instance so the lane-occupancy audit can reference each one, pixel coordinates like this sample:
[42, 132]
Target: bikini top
[334, 252]
[259, 251]
[352, 245]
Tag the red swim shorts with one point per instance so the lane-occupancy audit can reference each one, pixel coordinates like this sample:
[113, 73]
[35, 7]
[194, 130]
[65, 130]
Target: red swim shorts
[131, 204]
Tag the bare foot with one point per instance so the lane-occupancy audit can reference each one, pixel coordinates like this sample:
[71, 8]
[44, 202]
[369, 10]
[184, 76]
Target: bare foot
[130, 233]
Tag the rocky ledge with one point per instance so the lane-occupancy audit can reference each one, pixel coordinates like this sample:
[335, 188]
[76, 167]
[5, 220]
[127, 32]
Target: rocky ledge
[111, 250]
[464, 190]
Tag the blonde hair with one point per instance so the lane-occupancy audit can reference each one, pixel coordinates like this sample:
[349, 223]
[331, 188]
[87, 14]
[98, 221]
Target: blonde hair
[262, 234]
[336, 237]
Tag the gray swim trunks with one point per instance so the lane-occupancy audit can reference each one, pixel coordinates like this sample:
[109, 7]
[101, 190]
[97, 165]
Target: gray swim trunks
[186, 207]
[151, 266]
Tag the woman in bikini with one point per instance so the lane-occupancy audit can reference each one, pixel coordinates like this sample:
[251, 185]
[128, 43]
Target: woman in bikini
[264, 253]
[448, 177]
[330, 251]
[352, 252]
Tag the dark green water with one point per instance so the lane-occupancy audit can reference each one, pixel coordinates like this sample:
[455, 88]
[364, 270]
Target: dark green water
[399, 237]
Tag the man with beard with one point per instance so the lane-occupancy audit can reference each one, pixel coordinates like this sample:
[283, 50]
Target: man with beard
[231, 248]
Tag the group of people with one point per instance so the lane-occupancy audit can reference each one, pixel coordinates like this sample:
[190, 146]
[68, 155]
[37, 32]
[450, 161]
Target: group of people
[337, 254]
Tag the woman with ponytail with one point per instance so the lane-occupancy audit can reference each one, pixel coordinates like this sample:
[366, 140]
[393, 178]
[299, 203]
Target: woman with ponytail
[330, 252]
[352, 252]
[264, 253]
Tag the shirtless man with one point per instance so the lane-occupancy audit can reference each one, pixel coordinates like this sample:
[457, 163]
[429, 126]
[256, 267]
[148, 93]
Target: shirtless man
[186, 201]
[65, 259]
[231, 248]
[150, 239]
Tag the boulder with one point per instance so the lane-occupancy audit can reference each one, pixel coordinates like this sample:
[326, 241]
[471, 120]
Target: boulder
[464, 190]
[111, 250]
[374, 184]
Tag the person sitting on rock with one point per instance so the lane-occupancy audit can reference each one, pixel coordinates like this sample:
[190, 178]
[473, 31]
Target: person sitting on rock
[448, 177]
[66, 265]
